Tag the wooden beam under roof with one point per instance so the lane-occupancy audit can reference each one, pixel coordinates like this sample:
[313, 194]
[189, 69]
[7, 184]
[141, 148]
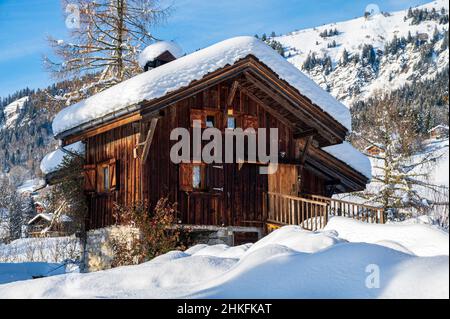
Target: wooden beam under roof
[232, 94]
[297, 111]
[268, 109]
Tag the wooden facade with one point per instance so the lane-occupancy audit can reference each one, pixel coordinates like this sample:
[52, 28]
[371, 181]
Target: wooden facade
[128, 159]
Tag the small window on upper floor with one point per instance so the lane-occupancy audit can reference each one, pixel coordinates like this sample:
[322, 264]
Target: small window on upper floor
[231, 122]
[196, 177]
[210, 121]
[106, 184]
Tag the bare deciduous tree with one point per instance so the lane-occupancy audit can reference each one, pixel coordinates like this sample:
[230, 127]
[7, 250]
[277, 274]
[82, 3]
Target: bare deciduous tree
[106, 45]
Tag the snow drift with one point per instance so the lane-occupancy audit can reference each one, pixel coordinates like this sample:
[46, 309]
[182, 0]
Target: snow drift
[289, 263]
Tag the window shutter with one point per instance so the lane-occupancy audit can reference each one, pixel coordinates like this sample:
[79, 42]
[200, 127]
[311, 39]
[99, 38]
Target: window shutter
[90, 178]
[186, 177]
[113, 173]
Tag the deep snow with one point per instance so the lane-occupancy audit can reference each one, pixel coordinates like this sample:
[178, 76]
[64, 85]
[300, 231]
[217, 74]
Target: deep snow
[288, 263]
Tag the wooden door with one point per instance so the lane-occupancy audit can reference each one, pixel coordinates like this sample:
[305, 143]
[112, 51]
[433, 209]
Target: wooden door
[245, 188]
[285, 181]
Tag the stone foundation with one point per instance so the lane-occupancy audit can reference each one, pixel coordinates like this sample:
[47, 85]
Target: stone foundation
[99, 253]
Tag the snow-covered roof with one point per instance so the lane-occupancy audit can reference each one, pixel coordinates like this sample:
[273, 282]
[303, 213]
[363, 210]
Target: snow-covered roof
[441, 126]
[30, 185]
[53, 160]
[153, 51]
[380, 146]
[49, 217]
[346, 153]
[180, 73]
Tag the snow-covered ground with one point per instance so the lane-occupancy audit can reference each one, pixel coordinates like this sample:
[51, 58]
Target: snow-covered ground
[53, 250]
[347, 260]
[11, 272]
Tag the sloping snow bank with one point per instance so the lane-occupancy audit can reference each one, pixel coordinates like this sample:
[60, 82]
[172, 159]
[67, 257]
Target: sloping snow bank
[289, 263]
[337, 272]
[421, 240]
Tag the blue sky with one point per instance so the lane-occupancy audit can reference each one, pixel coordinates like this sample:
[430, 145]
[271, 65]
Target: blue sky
[25, 24]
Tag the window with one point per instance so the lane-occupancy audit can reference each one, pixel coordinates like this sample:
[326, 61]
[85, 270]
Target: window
[106, 178]
[192, 177]
[196, 177]
[231, 122]
[210, 121]
[101, 178]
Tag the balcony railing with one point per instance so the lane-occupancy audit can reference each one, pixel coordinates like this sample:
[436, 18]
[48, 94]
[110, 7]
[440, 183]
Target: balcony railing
[313, 213]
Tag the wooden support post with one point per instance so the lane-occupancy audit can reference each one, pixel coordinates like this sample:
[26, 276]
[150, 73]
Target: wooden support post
[149, 139]
[304, 154]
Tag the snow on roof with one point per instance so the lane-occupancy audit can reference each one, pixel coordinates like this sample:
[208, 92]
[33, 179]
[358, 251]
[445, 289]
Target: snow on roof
[53, 160]
[346, 153]
[180, 73]
[30, 185]
[378, 145]
[153, 51]
[49, 217]
[445, 127]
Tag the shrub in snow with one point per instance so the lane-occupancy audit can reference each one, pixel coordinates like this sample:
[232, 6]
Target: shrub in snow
[158, 234]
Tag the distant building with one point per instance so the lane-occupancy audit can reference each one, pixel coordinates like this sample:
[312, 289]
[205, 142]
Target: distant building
[439, 132]
[374, 150]
[43, 225]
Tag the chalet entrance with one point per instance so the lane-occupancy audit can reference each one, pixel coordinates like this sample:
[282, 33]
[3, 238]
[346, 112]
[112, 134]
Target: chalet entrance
[223, 195]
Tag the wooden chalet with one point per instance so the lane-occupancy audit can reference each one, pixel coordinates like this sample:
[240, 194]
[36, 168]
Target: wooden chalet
[439, 132]
[128, 151]
[374, 150]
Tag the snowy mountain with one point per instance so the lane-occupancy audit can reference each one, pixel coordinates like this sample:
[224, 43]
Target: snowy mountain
[25, 134]
[380, 52]
[12, 112]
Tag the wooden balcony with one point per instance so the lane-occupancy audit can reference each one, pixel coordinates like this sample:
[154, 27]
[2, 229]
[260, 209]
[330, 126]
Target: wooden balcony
[313, 212]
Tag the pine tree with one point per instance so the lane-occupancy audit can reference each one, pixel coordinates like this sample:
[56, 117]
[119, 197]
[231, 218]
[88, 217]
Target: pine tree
[436, 35]
[345, 58]
[444, 45]
[107, 43]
